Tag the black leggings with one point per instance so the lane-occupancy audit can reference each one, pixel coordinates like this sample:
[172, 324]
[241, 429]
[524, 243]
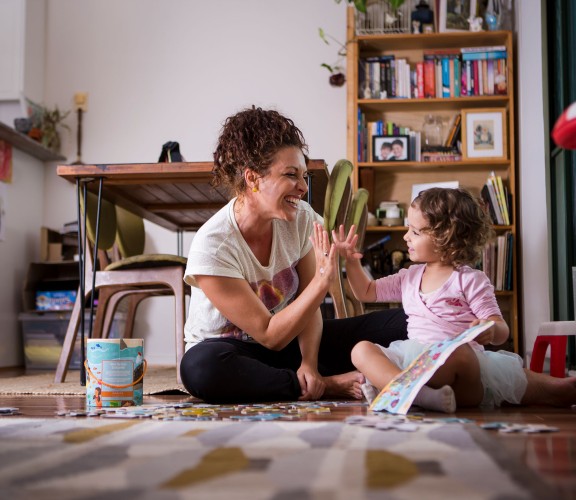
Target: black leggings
[232, 371]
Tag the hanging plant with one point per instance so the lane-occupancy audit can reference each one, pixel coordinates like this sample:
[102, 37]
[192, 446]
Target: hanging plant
[337, 78]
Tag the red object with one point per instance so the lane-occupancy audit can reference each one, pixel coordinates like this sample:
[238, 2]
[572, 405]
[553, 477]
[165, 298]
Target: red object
[557, 354]
[564, 131]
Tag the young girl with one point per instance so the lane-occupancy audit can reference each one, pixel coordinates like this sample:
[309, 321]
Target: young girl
[443, 296]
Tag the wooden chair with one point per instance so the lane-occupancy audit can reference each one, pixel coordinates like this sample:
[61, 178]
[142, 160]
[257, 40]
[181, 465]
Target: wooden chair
[336, 206]
[125, 272]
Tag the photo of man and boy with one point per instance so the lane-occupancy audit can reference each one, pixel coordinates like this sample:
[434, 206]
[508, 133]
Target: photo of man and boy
[390, 148]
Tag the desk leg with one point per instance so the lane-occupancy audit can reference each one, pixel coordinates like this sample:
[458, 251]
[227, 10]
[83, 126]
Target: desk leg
[82, 264]
[180, 242]
[82, 270]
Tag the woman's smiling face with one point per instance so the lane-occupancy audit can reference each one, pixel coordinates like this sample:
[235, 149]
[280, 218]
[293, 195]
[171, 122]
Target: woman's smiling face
[281, 189]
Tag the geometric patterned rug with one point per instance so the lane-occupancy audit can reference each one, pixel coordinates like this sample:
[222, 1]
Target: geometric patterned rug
[67, 458]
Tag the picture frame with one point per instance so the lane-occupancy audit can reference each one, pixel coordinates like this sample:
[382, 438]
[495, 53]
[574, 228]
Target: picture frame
[396, 153]
[453, 15]
[484, 134]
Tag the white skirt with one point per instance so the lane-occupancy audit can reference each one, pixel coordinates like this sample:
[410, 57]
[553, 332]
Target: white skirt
[502, 372]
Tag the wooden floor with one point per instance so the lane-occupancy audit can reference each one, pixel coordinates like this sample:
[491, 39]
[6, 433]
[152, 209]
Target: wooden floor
[551, 455]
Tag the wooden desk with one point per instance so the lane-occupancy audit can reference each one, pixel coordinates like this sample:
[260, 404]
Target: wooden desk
[176, 196]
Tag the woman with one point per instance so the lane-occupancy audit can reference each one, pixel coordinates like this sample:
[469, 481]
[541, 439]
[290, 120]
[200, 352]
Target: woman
[259, 270]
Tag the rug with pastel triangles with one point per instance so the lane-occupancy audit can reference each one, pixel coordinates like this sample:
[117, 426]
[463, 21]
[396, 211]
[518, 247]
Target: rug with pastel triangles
[67, 458]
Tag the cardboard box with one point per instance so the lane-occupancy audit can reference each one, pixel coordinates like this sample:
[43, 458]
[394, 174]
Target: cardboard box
[57, 247]
[43, 335]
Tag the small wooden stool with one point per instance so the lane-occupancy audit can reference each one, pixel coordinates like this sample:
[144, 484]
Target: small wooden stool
[553, 334]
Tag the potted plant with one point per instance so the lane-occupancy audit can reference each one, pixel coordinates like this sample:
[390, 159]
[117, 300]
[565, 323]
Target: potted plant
[45, 125]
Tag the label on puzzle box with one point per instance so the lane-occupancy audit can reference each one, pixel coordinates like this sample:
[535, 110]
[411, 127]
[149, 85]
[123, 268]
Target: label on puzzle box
[114, 367]
[55, 300]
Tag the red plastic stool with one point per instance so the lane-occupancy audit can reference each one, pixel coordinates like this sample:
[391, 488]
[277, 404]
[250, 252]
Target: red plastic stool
[553, 334]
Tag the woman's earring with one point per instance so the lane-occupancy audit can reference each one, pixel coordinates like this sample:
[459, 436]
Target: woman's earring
[255, 189]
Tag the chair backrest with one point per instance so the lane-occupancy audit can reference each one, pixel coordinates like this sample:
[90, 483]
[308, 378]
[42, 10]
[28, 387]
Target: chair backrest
[130, 233]
[336, 206]
[338, 195]
[107, 229]
[358, 214]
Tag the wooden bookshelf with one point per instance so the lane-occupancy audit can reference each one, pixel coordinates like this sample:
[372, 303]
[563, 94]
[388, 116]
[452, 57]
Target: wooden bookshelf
[393, 180]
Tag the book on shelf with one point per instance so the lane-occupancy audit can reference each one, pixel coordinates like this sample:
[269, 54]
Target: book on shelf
[491, 48]
[497, 261]
[454, 131]
[502, 198]
[500, 79]
[475, 56]
[489, 197]
[495, 196]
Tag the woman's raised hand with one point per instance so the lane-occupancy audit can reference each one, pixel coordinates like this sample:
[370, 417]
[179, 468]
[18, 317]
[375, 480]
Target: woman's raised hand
[346, 243]
[324, 251]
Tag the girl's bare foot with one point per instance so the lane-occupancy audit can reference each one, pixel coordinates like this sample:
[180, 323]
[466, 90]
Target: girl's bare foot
[345, 385]
[546, 390]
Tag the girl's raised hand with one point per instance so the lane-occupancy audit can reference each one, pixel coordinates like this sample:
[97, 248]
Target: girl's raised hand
[346, 243]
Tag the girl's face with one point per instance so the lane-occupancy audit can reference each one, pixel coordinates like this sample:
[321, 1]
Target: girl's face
[420, 245]
[280, 191]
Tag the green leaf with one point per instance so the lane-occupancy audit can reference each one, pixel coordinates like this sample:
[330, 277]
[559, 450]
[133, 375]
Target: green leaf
[329, 68]
[360, 5]
[395, 4]
[323, 36]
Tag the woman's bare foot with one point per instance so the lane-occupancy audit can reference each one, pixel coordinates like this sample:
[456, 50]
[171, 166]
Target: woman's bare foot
[345, 385]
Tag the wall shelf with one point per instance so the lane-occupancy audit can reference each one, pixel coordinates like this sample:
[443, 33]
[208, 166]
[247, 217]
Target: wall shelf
[27, 145]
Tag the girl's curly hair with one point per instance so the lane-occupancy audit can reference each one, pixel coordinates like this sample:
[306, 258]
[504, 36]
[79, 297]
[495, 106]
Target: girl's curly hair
[458, 224]
[251, 139]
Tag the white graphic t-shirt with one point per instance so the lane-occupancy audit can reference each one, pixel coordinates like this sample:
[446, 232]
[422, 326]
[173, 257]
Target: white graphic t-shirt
[218, 249]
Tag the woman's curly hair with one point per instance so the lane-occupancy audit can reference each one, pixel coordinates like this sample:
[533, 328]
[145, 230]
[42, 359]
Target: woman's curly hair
[458, 224]
[251, 139]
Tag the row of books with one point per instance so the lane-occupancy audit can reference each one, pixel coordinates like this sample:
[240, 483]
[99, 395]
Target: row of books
[453, 73]
[497, 261]
[497, 199]
[472, 71]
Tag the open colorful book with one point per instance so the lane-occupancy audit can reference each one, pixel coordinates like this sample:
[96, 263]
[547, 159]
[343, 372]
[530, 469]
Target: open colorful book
[398, 395]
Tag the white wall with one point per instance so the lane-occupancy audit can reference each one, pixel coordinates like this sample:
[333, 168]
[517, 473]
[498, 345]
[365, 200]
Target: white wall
[22, 41]
[158, 71]
[533, 175]
[21, 225]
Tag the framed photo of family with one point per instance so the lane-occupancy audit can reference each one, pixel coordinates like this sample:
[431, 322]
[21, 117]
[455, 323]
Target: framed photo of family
[389, 148]
[484, 134]
[453, 15]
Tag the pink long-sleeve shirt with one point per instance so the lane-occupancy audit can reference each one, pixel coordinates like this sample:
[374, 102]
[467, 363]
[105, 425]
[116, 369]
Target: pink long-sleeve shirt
[466, 295]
